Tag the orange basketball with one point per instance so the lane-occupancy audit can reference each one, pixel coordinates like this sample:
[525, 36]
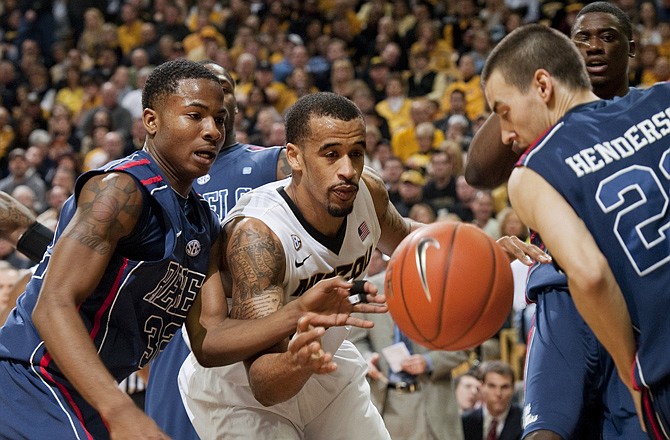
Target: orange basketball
[449, 286]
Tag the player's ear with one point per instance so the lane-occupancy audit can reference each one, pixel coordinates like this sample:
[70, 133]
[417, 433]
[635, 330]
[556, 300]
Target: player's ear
[149, 120]
[294, 156]
[544, 84]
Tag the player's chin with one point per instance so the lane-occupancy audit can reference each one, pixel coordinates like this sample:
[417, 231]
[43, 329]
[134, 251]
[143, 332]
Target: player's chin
[340, 209]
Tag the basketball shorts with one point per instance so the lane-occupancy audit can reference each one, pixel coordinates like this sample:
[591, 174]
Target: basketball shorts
[334, 406]
[163, 401]
[33, 408]
[571, 385]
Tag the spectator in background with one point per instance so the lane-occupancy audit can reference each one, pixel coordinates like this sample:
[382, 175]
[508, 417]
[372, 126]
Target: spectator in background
[470, 83]
[468, 389]
[440, 189]
[497, 418]
[411, 191]
[465, 194]
[121, 119]
[21, 173]
[425, 134]
[424, 81]
[377, 78]
[56, 196]
[404, 141]
[112, 147]
[484, 215]
[391, 172]
[26, 196]
[422, 213]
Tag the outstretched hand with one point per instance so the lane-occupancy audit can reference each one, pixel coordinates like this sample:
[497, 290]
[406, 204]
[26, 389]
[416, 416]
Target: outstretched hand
[327, 303]
[14, 218]
[305, 349]
[525, 252]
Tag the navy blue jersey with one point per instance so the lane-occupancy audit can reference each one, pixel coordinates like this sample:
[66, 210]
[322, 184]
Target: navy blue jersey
[139, 303]
[610, 161]
[237, 170]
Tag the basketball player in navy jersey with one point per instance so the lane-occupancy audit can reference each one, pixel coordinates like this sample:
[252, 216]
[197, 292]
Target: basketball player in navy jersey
[237, 169]
[131, 255]
[594, 183]
[325, 219]
[570, 380]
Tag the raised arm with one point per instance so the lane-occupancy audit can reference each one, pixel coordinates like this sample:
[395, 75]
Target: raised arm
[590, 279]
[490, 162]
[107, 209]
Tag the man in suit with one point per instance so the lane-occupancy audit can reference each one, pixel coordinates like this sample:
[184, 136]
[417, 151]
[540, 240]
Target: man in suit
[419, 402]
[497, 417]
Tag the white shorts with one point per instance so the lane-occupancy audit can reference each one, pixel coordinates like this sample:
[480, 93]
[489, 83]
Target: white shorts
[330, 406]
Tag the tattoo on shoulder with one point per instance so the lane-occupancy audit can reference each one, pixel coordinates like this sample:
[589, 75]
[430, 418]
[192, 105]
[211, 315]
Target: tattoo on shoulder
[283, 168]
[107, 210]
[255, 261]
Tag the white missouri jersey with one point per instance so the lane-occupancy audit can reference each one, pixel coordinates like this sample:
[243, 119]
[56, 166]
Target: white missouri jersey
[311, 256]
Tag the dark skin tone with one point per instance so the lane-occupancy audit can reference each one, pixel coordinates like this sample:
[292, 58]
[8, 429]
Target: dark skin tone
[606, 51]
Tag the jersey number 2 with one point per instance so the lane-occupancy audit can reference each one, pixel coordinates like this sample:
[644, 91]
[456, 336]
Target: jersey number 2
[641, 223]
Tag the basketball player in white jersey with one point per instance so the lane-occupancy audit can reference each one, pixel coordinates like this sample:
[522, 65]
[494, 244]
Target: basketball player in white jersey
[282, 238]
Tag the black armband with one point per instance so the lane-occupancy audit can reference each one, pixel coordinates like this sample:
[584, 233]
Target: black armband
[357, 293]
[35, 241]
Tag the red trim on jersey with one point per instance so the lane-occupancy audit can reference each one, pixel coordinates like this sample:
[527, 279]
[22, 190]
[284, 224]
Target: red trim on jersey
[532, 146]
[133, 163]
[151, 180]
[651, 416]
[44, 362]
[108, 301]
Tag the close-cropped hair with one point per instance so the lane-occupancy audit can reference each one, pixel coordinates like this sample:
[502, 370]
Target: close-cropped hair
[498, 367]
[317, 105]
[531, 47]
[625, 25]
[164, 80]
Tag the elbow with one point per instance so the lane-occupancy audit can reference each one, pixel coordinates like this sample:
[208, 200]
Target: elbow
[473, 176]
[40, 316]
[590, 278]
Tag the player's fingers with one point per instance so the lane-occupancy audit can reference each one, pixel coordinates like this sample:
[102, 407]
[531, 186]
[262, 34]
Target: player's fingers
[371, 308]
[358, 322]
[304, 338]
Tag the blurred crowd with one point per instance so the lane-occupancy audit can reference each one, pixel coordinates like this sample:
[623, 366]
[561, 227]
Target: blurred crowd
[72, 72]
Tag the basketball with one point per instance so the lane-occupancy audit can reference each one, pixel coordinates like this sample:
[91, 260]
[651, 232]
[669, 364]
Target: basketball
[449, 286]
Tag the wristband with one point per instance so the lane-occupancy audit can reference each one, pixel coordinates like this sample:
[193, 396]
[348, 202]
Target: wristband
[35, 241]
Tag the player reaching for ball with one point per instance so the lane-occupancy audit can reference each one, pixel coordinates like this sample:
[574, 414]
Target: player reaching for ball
[570, 380]
[281, 238]
[610, 211]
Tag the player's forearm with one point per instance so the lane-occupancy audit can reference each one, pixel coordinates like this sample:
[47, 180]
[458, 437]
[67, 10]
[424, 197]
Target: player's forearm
[69, 345]
[601, 303]
[490, 162]
[235, 340]
[274, 379]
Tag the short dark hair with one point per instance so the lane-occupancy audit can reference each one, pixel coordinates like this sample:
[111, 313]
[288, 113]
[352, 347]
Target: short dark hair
[499, 367]
[625, 25]
[164, 80]
[317, 105]
[531, 47]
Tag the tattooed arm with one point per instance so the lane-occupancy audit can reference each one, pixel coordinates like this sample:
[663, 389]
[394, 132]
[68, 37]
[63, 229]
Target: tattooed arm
[259, 321]
[394, 226]
[107, 210]
[14, 218]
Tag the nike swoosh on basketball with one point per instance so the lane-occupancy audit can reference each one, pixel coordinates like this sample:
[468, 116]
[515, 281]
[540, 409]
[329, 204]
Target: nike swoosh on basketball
[421, 262]
[300, 263]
